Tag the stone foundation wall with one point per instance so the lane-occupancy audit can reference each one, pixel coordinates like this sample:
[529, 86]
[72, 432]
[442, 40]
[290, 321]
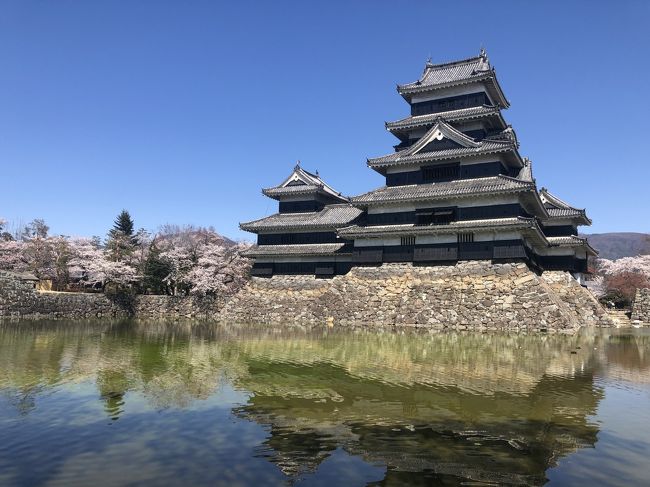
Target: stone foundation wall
[19, 299]
[470, 295]
[475, 295]
[641, 307]
[579, 300]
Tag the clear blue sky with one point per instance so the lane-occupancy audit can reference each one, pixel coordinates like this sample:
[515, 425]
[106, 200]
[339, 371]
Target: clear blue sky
[181, 111]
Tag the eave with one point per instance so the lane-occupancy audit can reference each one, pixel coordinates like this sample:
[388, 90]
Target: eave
[572, 241]
[380, 164]
[407, 124]
[492, 186]
[489, 77]
[297, 250]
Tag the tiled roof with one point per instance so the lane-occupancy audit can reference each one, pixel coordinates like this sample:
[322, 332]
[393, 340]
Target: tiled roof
[292, 190]
[486, 146]
[302, 182]
[450, 116]
[332, 216]
[458, 226]
[567, 240]
[558, 208]
[571, 241]
[455, 71]
[300, 249]
[451, 189]
[562, 212]
[436, 76]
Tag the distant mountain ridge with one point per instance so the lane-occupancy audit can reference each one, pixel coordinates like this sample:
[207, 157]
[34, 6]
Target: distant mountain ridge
[619, 244]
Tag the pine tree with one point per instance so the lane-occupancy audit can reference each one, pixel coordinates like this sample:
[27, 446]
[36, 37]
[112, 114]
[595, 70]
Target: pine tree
[123, 224]
[121, 241]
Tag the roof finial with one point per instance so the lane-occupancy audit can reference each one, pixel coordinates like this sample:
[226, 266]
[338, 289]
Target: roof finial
[317, 173]
[484, 62]
[297, 165]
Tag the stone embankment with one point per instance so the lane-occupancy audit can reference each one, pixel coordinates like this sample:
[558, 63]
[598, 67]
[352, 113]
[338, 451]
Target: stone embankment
[475, 295]
[19, 299]
[641, 307]
[469, 295]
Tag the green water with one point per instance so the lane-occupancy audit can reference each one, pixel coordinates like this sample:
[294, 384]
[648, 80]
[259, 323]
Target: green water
[153, 404]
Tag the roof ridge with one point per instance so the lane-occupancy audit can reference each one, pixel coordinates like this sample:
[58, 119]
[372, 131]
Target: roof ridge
[309, 179]
[554, 200]
[516, 179]
[468, 60]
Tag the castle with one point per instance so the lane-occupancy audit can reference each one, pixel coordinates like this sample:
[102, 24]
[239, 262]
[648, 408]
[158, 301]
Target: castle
[457, 189]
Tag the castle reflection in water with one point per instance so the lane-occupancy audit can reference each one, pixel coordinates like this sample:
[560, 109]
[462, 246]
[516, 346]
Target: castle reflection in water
[445, 407]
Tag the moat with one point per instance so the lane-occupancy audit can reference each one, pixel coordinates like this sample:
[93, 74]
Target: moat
[148, 403]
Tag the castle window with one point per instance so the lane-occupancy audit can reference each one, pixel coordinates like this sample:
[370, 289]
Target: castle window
[435, 216]
[407, 240]
[446, 172]
[465, 237]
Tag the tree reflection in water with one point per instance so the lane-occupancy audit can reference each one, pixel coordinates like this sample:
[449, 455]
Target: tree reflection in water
[429, 407]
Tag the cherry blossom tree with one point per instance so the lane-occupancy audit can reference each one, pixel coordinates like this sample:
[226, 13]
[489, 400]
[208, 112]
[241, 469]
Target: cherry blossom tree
[220, 270]
[634, 265]
[11, 256]
[597, 286]
[202, 262]
[92, 266]
[622, 277]
[178, 260]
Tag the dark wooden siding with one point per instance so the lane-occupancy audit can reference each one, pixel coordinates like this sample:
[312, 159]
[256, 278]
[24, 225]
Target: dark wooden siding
[296, 238]
[314, 203]
[324, 268]
[449, 103]
[560, 230]
[481, 170]
[446, 252]
[505, 250]
[300, 206]
[563, 263]
[469, 213]
[432, 254]
[367, 255]
[509, 251]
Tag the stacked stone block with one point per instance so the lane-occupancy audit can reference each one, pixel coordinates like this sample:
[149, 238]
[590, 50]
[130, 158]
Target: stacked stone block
[641, 307]
[476, 295]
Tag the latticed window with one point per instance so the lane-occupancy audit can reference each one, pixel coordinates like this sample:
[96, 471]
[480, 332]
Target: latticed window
[408, 240]
[446, 172]
[465, 237]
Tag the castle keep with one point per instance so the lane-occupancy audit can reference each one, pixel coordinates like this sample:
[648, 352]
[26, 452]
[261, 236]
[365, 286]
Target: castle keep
[457, 189]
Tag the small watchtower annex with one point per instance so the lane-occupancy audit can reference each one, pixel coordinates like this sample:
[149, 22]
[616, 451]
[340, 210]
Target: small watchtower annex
[301, 238]
[456, 188]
